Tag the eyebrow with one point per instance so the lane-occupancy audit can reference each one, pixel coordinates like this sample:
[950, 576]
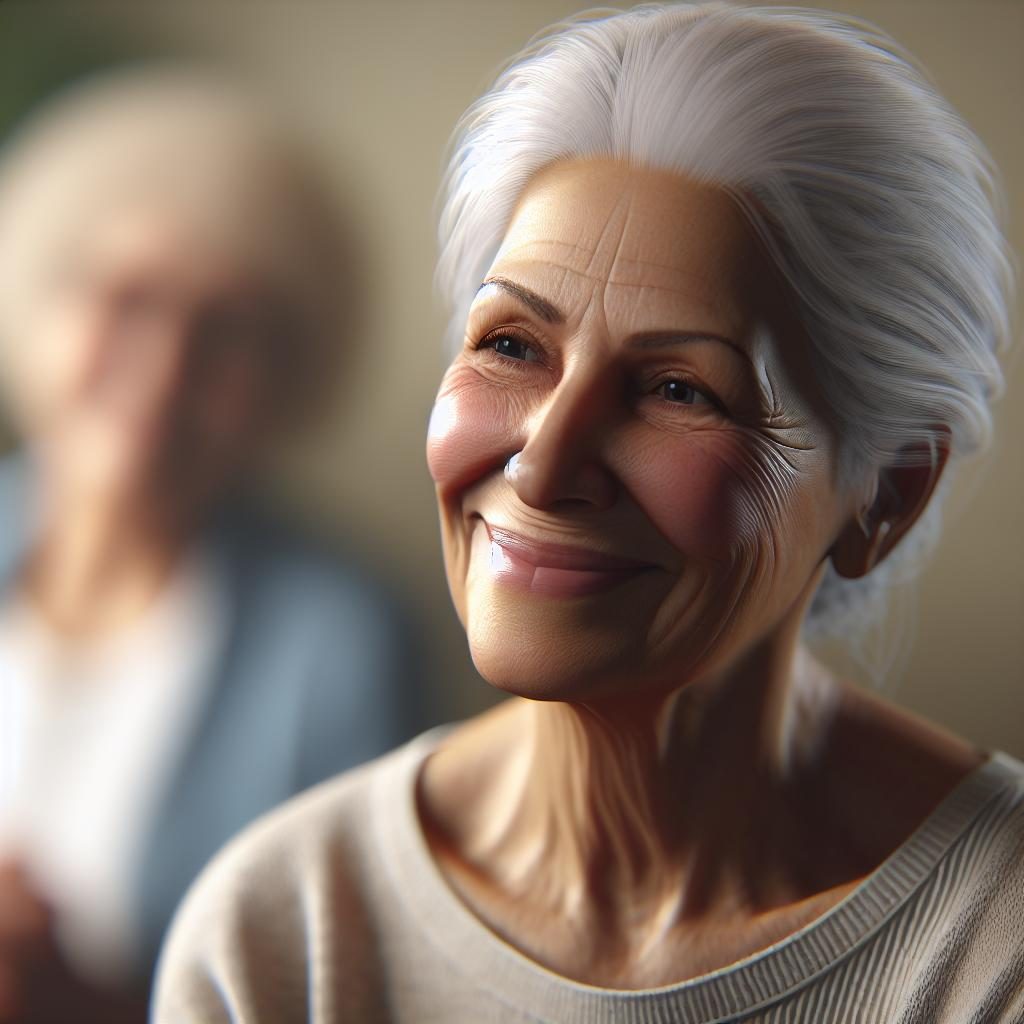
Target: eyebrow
[649, 339]
[544, 309]
[662, 339]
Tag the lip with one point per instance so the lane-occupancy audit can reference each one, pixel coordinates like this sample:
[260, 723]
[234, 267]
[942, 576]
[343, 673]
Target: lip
[555, 570]
[559, 556]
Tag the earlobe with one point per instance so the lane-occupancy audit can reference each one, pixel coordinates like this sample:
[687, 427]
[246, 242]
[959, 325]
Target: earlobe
[901, 493]
[861, 545]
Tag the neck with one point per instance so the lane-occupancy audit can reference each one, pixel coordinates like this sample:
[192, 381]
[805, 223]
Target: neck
[596, 790]
[624, 805]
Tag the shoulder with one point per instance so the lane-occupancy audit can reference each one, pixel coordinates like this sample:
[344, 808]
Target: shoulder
[965, 924]
[301, 604]
[885, 769]
[13, 473]
[269, 923]
[996, 835]
[14, 478]
[319, 656]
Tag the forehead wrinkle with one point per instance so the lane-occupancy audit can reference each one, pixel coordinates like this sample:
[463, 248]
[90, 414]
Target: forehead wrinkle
[647, 285]
[610, 241]
[597, 278]
[720, 319]
[624, 264]
[625, 203]
[519, 257]
[558, 291]
[546, 252]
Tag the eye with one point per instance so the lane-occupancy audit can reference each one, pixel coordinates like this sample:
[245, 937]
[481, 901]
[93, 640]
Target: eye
[682, 392]
[510, 346]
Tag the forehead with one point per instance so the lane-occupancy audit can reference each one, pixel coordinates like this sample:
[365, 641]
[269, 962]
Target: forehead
[634, 229]
[156, 242]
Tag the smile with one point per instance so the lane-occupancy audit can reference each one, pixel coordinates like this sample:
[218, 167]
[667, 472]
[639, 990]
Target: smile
[555, 570]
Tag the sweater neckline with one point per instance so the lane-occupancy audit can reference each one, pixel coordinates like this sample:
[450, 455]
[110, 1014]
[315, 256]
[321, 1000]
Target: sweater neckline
[756, 981]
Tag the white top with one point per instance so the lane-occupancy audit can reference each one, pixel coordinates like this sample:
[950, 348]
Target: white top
[331, 910]
[89, 735]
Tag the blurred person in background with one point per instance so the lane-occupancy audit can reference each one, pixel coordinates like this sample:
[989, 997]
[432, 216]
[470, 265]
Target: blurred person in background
[173, 660]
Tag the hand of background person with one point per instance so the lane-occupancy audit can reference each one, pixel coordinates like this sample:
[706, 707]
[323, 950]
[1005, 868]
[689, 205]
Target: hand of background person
[26, 940]
[37, 986]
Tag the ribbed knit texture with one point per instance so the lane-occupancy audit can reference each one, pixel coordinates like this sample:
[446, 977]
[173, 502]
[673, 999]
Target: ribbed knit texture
[331, 910]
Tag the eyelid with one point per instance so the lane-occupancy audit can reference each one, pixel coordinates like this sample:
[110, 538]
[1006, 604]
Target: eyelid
[501, 310]
[526, 335]
[712, 401]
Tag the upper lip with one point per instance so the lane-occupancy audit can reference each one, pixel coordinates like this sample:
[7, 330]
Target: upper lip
[560, 556]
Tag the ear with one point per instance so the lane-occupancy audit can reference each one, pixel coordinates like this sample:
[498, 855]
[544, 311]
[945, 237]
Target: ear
[900, 493]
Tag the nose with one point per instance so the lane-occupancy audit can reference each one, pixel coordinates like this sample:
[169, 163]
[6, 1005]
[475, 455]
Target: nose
[164, 352]
[151, 356]
[561, 463]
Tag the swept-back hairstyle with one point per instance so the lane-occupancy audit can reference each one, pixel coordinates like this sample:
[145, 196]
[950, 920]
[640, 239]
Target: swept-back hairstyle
[877, 202]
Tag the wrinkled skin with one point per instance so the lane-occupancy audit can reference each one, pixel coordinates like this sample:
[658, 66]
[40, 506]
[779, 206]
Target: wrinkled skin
[702, 459]
[637, 488]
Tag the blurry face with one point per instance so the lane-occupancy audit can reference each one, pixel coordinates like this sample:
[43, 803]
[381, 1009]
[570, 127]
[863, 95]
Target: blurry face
[144, 361]
[634, 477]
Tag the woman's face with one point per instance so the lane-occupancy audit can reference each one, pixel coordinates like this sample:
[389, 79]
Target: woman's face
[143, 366]
[635, 477]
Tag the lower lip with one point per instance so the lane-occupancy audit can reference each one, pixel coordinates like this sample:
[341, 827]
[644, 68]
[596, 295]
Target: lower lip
[509, 569]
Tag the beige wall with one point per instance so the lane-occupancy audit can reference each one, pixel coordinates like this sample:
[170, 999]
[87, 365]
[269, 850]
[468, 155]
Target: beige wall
[380, 84]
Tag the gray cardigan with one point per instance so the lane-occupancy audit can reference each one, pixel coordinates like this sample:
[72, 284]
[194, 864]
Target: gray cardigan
[315, 673]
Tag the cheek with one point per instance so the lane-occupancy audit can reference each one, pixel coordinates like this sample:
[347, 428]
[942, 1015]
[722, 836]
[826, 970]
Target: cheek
[225, 401]
[60, 363]
[475, 427]
[712, 496]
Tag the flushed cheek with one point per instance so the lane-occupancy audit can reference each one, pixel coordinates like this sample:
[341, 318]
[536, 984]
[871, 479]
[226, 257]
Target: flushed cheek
[729, 509]
[750, 517]
[57, 367]
[475, 426]
[697, 494]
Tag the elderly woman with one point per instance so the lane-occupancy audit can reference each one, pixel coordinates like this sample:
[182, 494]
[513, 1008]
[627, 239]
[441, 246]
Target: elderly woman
[173, 662]
[728, 287]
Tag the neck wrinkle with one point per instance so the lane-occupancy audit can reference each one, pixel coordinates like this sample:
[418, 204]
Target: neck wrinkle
[638, 800]
[602, 788]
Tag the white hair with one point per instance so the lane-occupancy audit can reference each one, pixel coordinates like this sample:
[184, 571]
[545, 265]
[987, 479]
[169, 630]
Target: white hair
[879, 205]
[188, 142]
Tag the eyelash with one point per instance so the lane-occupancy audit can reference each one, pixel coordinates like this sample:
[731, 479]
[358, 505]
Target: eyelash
[489, 341]
[519, 336]
[711, 400]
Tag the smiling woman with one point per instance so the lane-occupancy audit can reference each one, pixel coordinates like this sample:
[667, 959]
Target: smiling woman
[727, 288]
[622, 347]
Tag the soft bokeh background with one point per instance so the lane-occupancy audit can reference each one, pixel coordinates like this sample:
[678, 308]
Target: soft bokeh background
[377, 87]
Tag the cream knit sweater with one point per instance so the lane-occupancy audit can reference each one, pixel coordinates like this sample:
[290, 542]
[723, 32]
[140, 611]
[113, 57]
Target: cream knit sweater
[331, 910]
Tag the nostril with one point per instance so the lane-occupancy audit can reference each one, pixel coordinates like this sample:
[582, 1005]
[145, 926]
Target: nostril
[559, 481]
[592, 484]
[579, 504]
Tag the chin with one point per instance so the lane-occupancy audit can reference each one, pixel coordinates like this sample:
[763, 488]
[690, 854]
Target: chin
[573, 666]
